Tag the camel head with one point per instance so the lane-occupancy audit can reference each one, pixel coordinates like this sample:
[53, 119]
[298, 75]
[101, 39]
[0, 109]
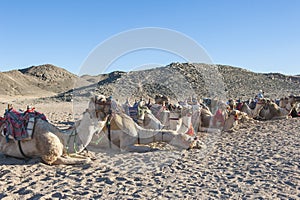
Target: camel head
[231, 120]
[294, 99]
[184, 141]
[261, 102]
[100, 105]
[159, 99]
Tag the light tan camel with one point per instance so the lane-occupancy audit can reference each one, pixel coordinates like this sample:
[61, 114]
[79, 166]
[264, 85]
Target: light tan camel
[255, 112]
[212, 123]
[177, 119]
[125, 135]
[150, 121]
[202, 119]
[163, 115]
[53, 145]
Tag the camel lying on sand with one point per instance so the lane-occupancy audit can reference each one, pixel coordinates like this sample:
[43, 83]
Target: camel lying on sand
[210, 123]
[253, 113]
[273, 111]
[179, 120]
[53, 145]
[162, 114]
[122, 133]
[199, 116]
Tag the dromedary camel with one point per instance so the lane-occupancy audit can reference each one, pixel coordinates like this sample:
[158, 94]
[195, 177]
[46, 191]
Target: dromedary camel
[122, 133]
[181, 119]
[222, 120]
[253, 113]
[273, 111]
[54, 145]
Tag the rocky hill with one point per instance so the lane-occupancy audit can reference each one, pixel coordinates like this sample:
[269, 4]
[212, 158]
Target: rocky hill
[181, 80]
[177, 80]
[42, 80]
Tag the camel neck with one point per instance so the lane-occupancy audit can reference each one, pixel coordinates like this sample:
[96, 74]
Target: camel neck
[185, 124]
[162, 136]
[79, 136]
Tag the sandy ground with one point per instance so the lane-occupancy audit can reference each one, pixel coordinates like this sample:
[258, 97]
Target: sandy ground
[257, 161]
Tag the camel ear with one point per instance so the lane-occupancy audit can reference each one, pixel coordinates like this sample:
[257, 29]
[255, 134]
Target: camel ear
[92, 103]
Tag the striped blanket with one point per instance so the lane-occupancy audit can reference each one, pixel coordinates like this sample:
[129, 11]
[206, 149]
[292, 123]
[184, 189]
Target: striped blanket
[16, 123]
[133, 113]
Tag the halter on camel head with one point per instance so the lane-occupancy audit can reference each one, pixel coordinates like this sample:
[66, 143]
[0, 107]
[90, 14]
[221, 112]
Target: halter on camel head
[103, 105]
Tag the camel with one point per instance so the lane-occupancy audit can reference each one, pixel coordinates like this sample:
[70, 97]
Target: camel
[295, 103]
[273, 111]
[294, 99]
[161, 113]
[206, 117]
[222, 120]
[200, 117]
[172, 119]
[253, 113]
[53, 145]
[150, 121]
[160, 99]
[124, 134]
[180, 120]
[232, 104]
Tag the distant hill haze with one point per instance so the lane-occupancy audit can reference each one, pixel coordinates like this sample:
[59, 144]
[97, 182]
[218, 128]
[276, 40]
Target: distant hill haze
[177, 80]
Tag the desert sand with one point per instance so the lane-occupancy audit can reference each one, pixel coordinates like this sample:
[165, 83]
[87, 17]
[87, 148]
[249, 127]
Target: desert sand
[259, 160]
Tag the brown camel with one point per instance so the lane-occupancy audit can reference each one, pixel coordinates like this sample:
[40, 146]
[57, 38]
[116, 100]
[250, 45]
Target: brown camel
[273, 111]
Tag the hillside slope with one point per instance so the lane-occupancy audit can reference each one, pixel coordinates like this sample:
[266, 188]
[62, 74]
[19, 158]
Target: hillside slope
[177, 80]
[36, 80]
[180, 80]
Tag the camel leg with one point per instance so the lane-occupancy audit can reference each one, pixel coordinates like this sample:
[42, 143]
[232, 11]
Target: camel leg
[128, 144]
[70, 161]
[210, 130]
[139, 149]
[74, 155]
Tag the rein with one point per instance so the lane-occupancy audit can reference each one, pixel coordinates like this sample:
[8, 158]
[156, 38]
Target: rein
[74, 134]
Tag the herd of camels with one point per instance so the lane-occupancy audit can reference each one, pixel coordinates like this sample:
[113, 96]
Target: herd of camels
[107, 124]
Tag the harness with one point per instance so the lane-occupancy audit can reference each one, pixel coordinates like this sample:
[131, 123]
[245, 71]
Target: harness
[21, 150]
[109, 118]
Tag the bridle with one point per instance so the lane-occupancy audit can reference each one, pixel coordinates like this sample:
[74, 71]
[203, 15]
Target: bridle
[100, 102]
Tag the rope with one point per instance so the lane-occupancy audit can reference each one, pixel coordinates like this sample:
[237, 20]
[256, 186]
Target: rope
[100, 138]
[69, 139]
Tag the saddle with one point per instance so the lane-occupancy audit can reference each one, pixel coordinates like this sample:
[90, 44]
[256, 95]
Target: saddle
[133, 113]
[18, 125]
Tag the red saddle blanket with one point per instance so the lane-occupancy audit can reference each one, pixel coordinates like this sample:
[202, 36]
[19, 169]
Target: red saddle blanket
[16, 123]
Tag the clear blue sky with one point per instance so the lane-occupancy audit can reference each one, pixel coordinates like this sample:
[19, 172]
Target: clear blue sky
[259, 35]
